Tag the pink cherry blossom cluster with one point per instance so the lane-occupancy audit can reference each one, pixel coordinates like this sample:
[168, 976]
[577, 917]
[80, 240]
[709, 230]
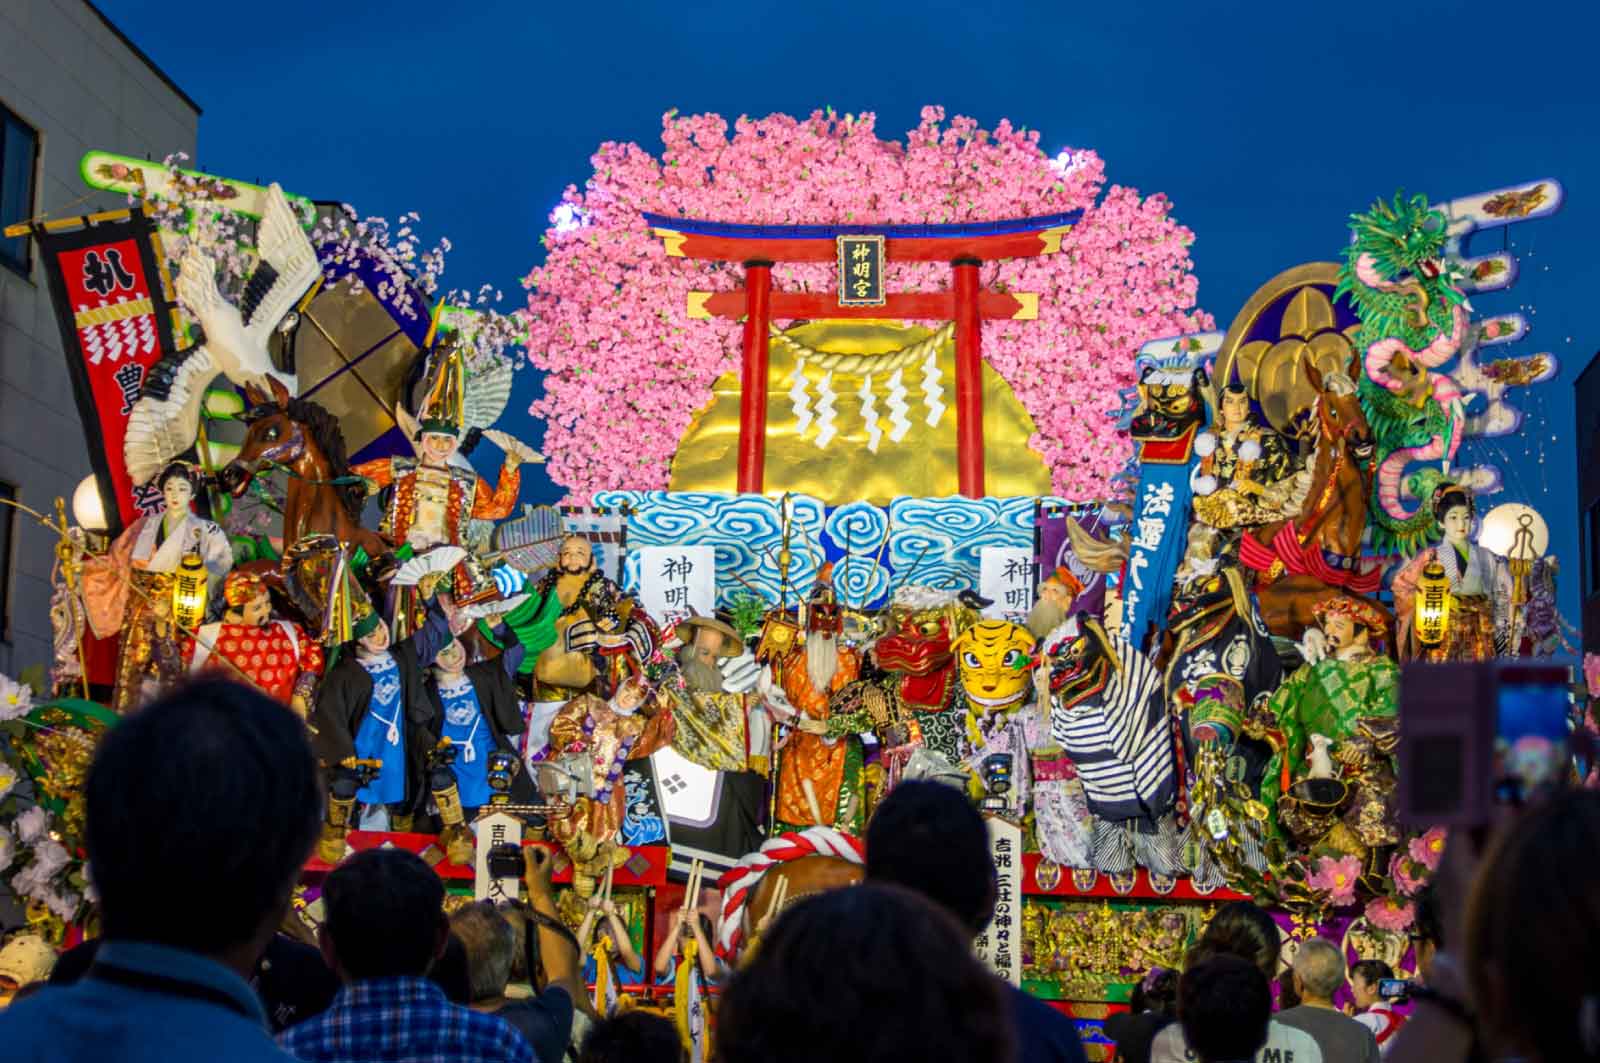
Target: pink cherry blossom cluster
[627, 369]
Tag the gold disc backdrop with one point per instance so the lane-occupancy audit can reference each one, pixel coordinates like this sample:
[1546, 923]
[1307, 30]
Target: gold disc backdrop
[1274, 371]
[922, 464]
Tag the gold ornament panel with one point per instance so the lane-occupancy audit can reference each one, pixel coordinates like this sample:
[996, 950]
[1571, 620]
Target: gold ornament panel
[921, 464]
[1274, 372]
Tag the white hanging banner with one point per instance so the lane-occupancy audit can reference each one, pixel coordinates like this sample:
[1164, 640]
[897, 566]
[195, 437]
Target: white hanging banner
[677, 581]
[497, 828]
[1005, 577]
[1000, 945]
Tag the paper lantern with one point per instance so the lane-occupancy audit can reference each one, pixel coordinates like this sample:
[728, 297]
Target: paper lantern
[189, 592]
[88, 508]
[1435, 605]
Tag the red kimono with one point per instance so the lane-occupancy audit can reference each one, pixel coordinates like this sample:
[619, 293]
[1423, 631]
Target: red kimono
[279, 657]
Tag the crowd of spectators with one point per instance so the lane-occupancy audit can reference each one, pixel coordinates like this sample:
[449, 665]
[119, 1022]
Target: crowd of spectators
[218, 780]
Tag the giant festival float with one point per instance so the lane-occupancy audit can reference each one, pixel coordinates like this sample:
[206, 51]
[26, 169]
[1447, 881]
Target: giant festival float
[883, 460]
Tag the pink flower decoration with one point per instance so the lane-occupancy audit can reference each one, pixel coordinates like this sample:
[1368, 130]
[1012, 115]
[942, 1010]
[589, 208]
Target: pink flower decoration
[1407, 874]
[1591, 673]
[626, 369]
[1337, 878]
[1387, 913]
[1428, 850]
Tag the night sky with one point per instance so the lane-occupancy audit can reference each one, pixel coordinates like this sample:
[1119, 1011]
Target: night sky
[1266, 124]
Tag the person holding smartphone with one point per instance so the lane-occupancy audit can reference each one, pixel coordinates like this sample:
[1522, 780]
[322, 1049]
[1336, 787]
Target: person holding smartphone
[1374, 1011]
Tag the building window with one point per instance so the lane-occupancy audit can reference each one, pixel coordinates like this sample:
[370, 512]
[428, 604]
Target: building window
[19, 155]
[8, 518]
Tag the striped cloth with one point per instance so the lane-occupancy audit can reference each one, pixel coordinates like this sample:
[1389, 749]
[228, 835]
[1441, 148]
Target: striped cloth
[1120, 741]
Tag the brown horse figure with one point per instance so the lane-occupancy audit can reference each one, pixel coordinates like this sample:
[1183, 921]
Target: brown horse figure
[302, 438]
[1317, 555]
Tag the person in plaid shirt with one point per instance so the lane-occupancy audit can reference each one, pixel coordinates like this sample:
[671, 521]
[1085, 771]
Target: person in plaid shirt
[385, 927]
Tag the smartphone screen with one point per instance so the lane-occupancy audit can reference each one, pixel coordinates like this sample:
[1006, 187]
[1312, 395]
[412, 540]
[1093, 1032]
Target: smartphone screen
[1533, 706]
[1393, 988]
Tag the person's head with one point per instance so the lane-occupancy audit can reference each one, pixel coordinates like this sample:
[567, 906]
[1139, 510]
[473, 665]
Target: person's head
[489, 943]
[908, 986]
[576, 556]
[1533, 914]
[1234, 407]
[449, 972]
[1224, 1004]
[1364, 978]
[371, 634]
[452, 659]
[1453, 509]
[385, 916]
[247, 599]
[439, 447]
[927, 837]
[1427, 931]
[1318, 970]
[633, 1037]
[701, 677]
[215, 778]
[631, 695]
[177, 486]
[1240, 929]
[1157, 992]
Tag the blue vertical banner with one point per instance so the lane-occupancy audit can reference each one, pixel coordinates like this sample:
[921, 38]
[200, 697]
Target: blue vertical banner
[1158, 533]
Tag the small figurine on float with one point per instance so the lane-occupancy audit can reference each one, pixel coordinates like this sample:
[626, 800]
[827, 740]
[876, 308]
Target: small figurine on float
[1334, 727]
[1465, 587]
[1109, 716]
[606, 732]
[374, 704]
[1245, 469]
[143, 561]
[431, 498]
[475, 706]
[276, 655]
[581, 628]
[819, 778]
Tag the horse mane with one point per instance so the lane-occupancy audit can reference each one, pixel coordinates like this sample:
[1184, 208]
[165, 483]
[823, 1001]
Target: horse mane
[329, 439]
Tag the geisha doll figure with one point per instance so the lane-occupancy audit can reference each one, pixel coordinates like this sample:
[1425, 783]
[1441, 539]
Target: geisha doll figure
[129, 588]
[1243, 477]
[1480, 585]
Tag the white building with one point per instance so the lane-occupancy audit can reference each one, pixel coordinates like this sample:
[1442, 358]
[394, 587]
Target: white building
[69, 81]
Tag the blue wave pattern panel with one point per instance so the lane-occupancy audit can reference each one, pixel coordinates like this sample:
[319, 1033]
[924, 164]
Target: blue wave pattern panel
[937, 541]
[745, 530]
[932, 541]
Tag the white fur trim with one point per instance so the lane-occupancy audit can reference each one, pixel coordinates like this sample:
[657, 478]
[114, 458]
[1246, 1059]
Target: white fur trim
[1249, 450]
[1205, 444]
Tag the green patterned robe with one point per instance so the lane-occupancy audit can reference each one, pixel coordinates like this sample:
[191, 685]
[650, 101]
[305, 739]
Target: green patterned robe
[1328, 698]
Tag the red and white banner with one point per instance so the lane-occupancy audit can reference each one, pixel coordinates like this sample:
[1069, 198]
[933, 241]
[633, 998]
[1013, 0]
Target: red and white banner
[116, 322]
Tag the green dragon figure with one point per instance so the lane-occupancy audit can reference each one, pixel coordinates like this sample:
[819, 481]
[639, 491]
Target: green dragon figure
[1413, 319]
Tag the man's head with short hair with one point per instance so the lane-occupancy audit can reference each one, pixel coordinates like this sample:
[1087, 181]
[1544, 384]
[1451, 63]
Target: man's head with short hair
[1318, 970]
[927, 837]
[220, 780]
[385, 916]
[633, 1037]
[1224, 1004]
[490, 943]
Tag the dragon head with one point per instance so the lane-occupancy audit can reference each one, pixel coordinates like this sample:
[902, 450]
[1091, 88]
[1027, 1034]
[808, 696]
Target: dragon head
[1395, 269]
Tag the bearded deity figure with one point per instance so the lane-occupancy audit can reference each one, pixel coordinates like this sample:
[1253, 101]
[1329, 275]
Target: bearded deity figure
[1342, 705]
[1243, 477]
[714, 771]
[276, 655]
[819, 778]
[1050, 620]
[1480, 588]
[581, 633]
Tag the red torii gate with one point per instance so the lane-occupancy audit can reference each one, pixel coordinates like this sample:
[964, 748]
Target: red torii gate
[966, 246]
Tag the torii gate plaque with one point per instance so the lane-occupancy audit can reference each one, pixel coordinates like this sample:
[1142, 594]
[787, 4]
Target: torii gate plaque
[966, 246]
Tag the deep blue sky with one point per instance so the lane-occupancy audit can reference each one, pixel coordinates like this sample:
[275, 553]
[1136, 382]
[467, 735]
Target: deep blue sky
[1266, 123]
